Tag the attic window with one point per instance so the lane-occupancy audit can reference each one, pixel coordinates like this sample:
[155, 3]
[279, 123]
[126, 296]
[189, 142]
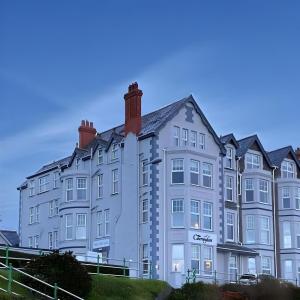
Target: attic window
[287, 169]
[114, 151]
[100, 156]
[252, 161]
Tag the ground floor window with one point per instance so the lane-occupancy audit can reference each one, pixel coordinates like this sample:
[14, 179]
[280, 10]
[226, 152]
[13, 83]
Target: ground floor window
[251, 265]
[288, 270]
[232, 268]
[145, 259]
[207, 260]
[195, 262]
[178, 258]
[266, 265]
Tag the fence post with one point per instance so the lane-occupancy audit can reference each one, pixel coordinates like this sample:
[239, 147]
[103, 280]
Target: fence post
[215, 273]
[188, 276]
[55, 291]
[124, 266]
[194, 275]
[6, 255]
[98, 259]
[9, 283]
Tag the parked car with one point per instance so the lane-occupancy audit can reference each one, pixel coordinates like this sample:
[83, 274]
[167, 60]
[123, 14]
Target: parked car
[248, 279]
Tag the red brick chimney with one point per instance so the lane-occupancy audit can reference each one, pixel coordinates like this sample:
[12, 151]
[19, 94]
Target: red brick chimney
[297, 151]
[87, 133]
[133, 101]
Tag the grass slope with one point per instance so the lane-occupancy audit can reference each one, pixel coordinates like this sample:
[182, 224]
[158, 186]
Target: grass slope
[117, 288]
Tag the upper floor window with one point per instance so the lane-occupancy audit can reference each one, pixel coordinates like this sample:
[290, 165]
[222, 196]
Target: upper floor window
[263, 191]
[177, 213]
[202, 141]
[81, 188]
[266, 265]
[115, 181]
[297, 198]
[229, 158]
[37, 213]
[106, 222]
[176, 136]
[287, 236]
[31, 215]
[100, 156]
[195, 171]
[230, 226]
[177, 170]
[55, 180]
[53, 208]
[99, 224]
[31, 187]
[286, 197]
[81, 226]
[287, 169]
[229, 188]
[114, 151]
[145, 166]
[207, 215]
[207, 174]
[265, 230]
[249, 190]
[44, 183]
[195, 214]
[297, 231]
[100, 185]
[252, 161]
[145, 210]
[69, 227]
[69, 189]
[185, 137]
[193, 139]
[250, 229]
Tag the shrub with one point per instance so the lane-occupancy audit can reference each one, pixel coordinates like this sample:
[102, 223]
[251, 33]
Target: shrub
[196, 291]
[62, 269]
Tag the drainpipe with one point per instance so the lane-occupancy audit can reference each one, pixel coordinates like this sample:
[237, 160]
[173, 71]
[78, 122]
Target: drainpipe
[90, 193]
[138, 207]
[274, 221]
[164, 212]
[237, 197]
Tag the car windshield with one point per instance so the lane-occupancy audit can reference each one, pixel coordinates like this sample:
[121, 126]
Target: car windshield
[248, 276]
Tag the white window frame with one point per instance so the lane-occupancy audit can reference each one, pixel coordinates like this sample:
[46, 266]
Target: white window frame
[115, 181]
[69, 189]
[297, 199]
[288, 275]
[185, 137]
[266, 265]
[266, 230]
[114, 151]
[176, 136]
[207, 260]
[286, 194]
[31, 215]
[68, 226]
[206, 214]
[196, 258]
[81, 226]
[177, 167]
[287, 234]
[207, 172]
[100, 185]
[202, 141]
[145, 169]
[36, 239]
[100, 156]
[263, 190]
[193, 142]
[55, 179]
[229, 158]
[233, 268]
[195, 170]
[81, 186]
[250, 229]
[249, 187]
[253, 161]
[106, 222]
[55, 239]
[31, 185]
[251, 265]
[100, 225]
[178, 258]
[297, 234]
[37, 214]
[145, 210]
[230, 224]
[195, 213]
[44, 184]
[145, 259]
[50, 240]
[287, 169]
[229, 187]
[177, 203]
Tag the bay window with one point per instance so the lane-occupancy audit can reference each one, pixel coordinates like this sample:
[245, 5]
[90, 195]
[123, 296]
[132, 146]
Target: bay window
[195, 172]
[286, 197]
[249, 190]
[195, 214]
[81, 188]
[207, 175]
[178, 258]
[229, 188]
[263, 191]
[193, 139]
[176, 136]
[195, 261]
[250, 229]
[287, 169]
[185, 137]
[253, 161]
[207, 260]
[177, 171]
[230, 226]
[177, 213]
[287, 236]
[81, 226]
[207, 216]
[266, 265]
[265, 230]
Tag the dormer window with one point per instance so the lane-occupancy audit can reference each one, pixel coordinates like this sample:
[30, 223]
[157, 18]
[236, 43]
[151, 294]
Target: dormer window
[229, 158]
[114, 151]
[252, 161]
[100, 156]
[185, 137]
[287, 169]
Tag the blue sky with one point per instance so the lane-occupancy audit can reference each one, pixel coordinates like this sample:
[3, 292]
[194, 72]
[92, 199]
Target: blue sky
[63, 61]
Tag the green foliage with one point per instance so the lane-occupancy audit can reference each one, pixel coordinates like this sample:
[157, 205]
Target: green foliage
[62, 269]
[196, 291]
[119, 288]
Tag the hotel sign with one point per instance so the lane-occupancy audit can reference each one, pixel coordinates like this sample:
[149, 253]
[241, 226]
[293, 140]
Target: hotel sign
[204, 238]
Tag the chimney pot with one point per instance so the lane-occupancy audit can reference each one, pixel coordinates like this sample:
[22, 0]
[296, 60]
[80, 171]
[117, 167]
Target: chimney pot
[87, 133]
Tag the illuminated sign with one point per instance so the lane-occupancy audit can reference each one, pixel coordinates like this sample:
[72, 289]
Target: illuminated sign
[198, 237]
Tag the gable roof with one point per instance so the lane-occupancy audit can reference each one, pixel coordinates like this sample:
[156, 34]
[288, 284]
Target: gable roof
[10, 236]
[246, 143]
[226, 139]
[278, 155]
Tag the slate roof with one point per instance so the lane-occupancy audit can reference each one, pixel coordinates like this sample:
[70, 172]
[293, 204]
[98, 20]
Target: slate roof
[225, 139]
[246, 143]
[151, 124]
[277, 156]
[11, 236]
[236, 248]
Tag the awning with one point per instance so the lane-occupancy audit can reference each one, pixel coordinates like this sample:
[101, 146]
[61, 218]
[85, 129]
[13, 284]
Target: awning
[236, 248]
